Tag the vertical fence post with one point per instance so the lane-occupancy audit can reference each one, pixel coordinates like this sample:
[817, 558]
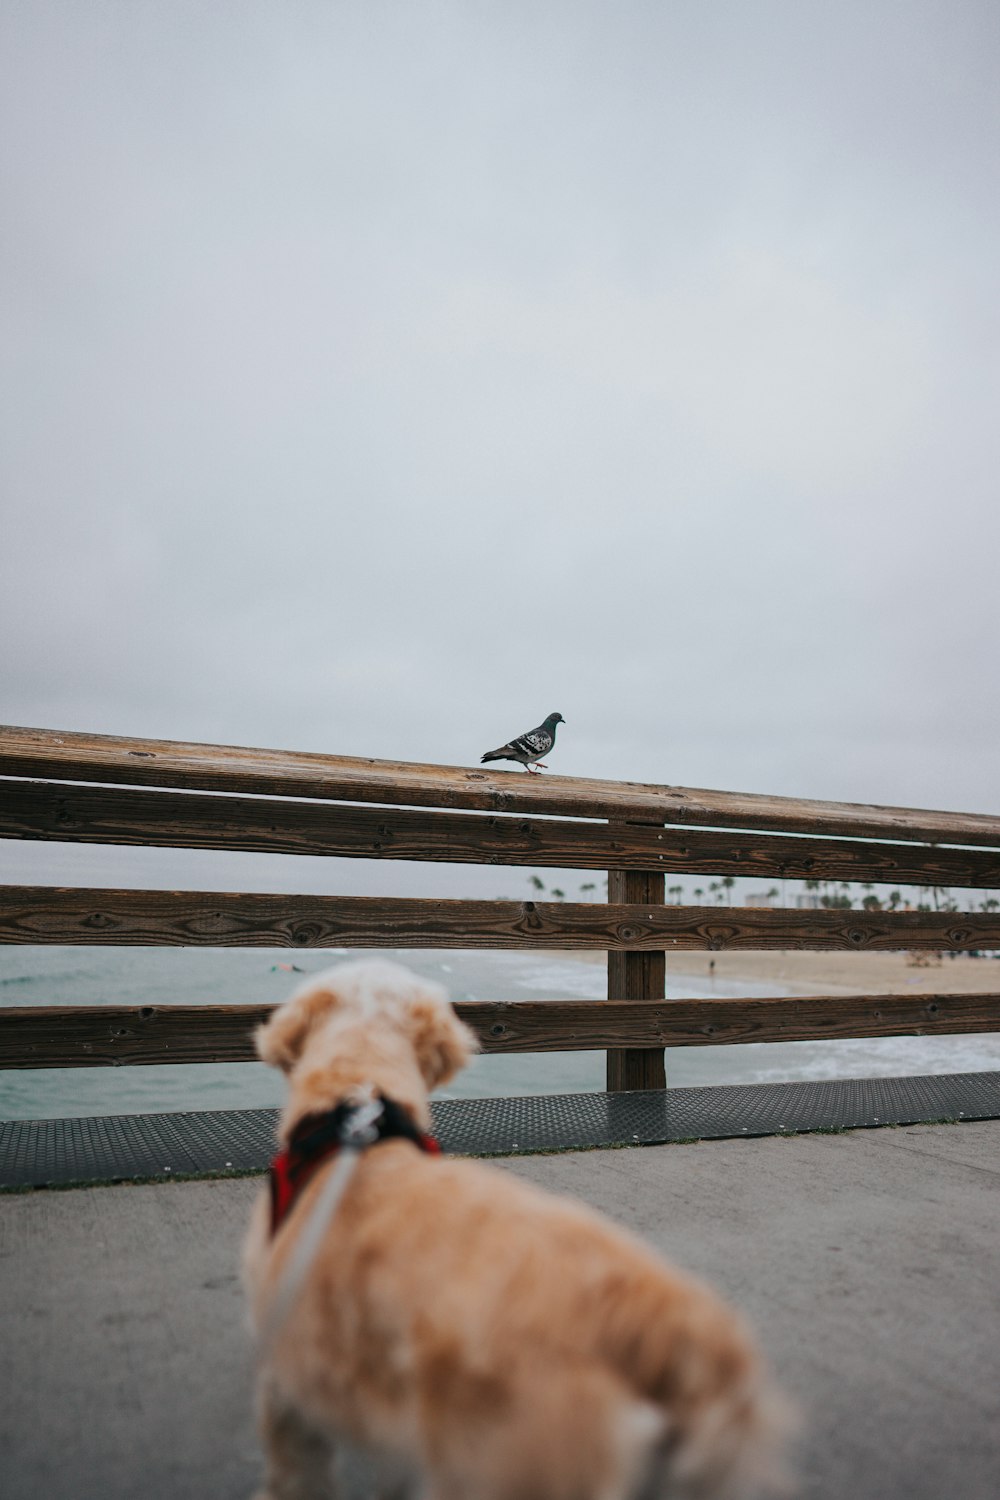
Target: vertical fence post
[636, 976]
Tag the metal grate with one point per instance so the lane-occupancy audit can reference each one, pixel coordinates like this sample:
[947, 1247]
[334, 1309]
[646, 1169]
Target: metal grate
[553, 1122]
[116, 1148]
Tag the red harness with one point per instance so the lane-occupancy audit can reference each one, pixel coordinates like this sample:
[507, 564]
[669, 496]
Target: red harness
[318, 1137]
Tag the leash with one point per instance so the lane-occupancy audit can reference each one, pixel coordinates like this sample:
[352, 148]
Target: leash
[359, 1129]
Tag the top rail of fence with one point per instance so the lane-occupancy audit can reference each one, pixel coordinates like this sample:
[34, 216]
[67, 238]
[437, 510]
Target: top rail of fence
[72, 756]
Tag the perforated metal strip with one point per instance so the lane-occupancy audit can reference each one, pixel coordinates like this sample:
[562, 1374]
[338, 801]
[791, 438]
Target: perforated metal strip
[51, 1153]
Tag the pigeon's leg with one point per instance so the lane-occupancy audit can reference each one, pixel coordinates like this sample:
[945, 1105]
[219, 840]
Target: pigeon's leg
[542, 764]
[529, 769]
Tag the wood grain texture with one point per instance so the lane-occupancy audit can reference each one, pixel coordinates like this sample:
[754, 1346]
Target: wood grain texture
[71, 1036]
[177, 820]
[635, 976]
[164, 819]
[103, 1036]
[43, 914]
[70, 756]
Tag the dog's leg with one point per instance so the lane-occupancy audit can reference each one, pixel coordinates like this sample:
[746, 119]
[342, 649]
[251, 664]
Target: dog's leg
[399, 1489]
[299, 1458]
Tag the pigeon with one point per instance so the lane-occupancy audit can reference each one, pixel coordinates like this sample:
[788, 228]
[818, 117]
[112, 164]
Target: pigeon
[529, 748]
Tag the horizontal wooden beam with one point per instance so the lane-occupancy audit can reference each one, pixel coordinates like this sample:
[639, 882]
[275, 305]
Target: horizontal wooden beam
[575, 1025]
[70, 756]
[101, 1036]
[44, 914]
[164, 819]
[111, 1036]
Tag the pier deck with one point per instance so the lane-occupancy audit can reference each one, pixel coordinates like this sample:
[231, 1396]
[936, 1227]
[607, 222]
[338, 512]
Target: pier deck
[867, 1261]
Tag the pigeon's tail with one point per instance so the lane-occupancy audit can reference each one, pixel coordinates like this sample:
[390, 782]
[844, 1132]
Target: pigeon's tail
[504, 753]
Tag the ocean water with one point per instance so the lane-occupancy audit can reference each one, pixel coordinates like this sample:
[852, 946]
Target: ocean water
[151, 976]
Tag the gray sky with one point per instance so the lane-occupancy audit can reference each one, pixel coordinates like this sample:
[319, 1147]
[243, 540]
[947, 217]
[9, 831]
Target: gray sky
[379, 377]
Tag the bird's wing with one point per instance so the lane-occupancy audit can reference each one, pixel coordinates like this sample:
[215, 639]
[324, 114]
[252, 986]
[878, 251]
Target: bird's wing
[535, 742]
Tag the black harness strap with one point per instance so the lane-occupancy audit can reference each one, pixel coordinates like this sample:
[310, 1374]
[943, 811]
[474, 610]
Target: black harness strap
[318, 1137]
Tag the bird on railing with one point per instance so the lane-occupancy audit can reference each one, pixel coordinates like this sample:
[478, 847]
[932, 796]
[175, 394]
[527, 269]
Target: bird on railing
[529, 748]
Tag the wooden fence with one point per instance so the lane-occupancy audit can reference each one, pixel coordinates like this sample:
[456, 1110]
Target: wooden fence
[70, 787]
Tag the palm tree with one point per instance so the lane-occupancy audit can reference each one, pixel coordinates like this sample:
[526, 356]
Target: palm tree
[557, 894]
[728, 882]
[698, 894]
[538, 884]
[895, 897]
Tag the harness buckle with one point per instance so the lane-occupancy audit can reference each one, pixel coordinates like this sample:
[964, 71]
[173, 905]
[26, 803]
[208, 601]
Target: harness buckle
[360, 1127]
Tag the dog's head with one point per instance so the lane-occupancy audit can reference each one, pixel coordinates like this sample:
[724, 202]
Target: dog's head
[381, 997]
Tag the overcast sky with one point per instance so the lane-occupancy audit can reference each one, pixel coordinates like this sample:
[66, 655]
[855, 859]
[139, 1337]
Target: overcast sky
[380, 377]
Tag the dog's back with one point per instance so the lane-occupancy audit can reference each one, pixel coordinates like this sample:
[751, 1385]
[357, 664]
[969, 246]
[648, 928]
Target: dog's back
[513, 1345]
[488, 1339]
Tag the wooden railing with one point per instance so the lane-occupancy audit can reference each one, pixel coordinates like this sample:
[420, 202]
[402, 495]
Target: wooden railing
[72, 787]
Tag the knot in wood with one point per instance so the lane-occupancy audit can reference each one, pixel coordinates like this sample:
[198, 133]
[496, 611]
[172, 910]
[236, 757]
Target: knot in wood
[531, 918]
[304, 933]
[99, 920]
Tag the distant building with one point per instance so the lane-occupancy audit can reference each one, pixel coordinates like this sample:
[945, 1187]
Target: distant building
[809, 902]
[760, 898]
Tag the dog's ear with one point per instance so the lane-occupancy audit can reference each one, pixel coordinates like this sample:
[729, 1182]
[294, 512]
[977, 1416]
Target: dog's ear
[443, 1045]
[281, 1039]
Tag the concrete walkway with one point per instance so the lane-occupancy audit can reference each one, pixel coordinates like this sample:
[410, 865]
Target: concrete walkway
[870, 1263]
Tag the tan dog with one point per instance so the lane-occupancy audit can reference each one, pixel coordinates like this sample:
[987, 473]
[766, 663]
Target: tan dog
[484, 1339]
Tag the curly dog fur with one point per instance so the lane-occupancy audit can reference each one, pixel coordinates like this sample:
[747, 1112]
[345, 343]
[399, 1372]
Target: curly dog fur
[482, 1339]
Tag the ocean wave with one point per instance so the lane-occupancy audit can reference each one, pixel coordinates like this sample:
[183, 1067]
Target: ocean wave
[885, 1057]
[562, 977]
[580, 981]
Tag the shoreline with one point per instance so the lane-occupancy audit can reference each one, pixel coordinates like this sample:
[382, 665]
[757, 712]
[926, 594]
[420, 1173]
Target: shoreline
[798, 971]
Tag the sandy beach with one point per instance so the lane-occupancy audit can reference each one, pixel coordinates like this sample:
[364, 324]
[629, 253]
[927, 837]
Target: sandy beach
[807, 973]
